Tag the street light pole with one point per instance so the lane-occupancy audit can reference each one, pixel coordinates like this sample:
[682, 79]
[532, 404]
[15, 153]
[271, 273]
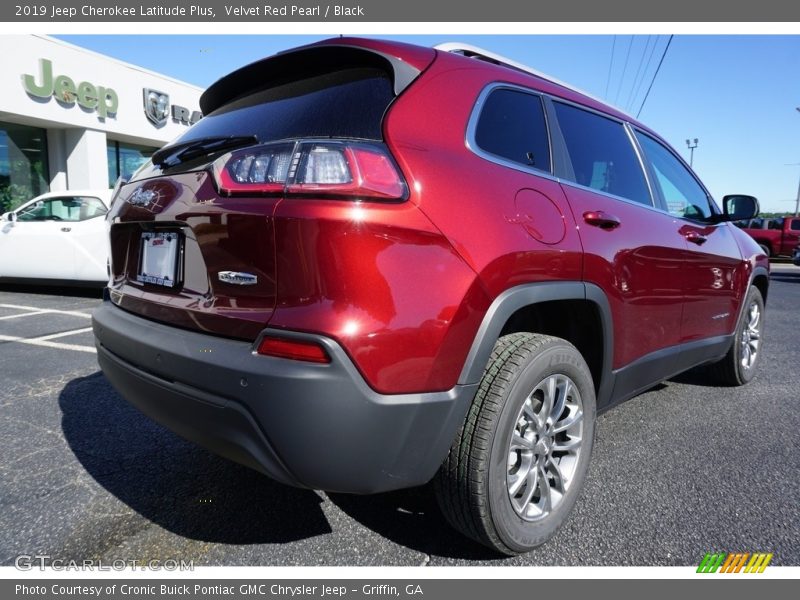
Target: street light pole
[689, 144]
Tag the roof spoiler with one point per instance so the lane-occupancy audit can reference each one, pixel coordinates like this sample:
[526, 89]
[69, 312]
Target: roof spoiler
[301, 63]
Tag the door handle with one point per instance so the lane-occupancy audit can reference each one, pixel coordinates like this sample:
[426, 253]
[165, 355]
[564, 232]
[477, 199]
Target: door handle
[66, 229]
[696, 238]
[603, 220]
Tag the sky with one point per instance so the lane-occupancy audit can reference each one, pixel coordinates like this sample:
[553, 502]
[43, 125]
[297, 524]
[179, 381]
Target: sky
[736, 94]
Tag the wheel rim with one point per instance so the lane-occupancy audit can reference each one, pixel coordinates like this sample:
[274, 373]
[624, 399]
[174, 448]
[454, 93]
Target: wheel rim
[751, 336]
[545, 447]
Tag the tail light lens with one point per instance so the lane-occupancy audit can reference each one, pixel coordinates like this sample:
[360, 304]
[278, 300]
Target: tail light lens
[338, 169]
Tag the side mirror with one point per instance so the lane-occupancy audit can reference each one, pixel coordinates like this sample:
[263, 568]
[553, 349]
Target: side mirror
[738, 207]
[10, 216]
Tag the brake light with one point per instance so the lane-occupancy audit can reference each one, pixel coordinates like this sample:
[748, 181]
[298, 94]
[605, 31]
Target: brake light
[293, 349]
[354, 170]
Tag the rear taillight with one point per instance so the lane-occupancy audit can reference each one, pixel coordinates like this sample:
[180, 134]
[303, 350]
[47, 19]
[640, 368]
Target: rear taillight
[337, 169]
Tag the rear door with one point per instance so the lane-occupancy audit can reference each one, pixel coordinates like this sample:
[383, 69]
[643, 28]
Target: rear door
[633, 251]
[713, 269]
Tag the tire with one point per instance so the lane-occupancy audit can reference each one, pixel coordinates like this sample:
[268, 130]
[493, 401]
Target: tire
[739, 365]
[482, 485]
[765, 249]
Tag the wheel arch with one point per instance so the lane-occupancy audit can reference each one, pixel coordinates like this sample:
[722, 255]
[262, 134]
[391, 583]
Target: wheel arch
[508, 313]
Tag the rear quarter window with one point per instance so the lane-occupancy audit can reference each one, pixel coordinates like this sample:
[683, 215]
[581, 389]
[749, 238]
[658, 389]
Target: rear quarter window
[512, 126]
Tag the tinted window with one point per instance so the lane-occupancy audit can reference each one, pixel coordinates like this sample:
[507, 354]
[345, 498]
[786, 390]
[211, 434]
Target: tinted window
[348, 103]
[63, 209]
[775, 224]
[601, 154]
[683, 195]
[512, 125]
[795, 225]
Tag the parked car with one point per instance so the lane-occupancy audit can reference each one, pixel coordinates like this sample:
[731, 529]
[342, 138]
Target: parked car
[372, 265]
[777, 236]
[58, 236]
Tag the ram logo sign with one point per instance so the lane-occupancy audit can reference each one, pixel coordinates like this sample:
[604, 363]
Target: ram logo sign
[156, 106]
[158, 109]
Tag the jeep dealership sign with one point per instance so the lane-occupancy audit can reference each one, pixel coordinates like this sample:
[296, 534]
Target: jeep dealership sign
[102, 99]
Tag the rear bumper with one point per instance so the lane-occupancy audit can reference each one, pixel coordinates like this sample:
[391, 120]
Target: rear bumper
[304, 424]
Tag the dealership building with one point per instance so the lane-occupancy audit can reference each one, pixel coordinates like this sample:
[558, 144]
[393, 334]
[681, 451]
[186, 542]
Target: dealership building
[71, 118]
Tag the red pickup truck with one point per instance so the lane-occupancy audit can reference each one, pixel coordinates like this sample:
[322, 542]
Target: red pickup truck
[777, 236]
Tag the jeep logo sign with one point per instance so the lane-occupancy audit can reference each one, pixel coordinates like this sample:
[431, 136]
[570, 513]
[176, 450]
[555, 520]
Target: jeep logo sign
[157, 109]
[104, 100]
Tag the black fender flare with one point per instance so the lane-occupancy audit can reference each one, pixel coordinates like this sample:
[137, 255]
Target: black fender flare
[513, 299]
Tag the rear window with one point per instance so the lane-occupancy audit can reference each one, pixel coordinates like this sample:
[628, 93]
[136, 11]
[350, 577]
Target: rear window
[348, 103]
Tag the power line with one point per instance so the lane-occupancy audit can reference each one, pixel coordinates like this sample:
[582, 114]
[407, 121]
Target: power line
[624, 68]
[638, 72]
[652, 81]
[644, 73]
[610, 65]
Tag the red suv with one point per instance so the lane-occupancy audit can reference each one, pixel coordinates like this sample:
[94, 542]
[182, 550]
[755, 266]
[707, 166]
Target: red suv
[372, 265]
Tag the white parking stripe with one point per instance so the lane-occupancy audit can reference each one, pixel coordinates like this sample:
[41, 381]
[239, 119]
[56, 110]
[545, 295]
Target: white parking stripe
[45, 340]
[25, 314]
[62, 334]
[40, 310]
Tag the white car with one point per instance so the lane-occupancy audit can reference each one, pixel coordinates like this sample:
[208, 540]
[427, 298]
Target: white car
[57, 236]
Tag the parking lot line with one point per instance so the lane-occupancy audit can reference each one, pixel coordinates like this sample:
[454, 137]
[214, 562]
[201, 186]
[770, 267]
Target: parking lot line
[39, 310]
[25, 314]
[46, 340]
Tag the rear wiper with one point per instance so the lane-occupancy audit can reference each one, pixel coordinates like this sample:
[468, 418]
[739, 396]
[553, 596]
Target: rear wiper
[170, 156]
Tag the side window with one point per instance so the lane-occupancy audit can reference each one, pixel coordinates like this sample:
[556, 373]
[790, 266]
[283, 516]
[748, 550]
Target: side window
[91, 208]
[512, 126]
[63, 209]
[601, 154]
[795, 225]
[684, 197]
[38, 211]
[775, 224]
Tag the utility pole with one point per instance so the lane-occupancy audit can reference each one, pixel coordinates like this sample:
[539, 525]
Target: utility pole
[797, 202]
[691, 145]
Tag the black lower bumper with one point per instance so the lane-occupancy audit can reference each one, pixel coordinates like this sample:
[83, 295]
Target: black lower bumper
[310, 425]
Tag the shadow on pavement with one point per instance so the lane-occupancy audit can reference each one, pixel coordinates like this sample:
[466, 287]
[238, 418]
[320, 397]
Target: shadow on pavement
[78, 291]
[412, 519]
[175, 484]
[193, 493]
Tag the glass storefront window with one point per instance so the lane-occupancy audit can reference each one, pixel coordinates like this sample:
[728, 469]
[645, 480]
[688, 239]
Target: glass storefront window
[24, 173]
[124, 159]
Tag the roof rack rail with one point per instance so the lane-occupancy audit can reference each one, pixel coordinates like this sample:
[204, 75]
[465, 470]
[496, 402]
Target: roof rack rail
[497, 59]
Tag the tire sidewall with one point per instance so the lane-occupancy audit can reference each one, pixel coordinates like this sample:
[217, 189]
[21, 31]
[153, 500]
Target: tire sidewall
[746, 375]
[516, 533]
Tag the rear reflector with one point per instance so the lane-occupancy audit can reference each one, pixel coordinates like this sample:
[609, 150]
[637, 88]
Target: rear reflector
[339, 169]
[293, 349]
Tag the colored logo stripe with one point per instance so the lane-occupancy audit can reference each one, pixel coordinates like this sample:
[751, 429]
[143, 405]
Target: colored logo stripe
[734, 562]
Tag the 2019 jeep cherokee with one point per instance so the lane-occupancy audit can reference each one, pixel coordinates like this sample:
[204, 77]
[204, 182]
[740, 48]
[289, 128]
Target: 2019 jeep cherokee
[372, 264]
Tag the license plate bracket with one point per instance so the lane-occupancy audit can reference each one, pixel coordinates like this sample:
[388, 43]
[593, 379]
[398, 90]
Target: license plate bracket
[159, 258]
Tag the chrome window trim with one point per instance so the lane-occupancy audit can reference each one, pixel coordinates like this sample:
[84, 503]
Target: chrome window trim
[709, 198]
[630, 129]
[472, 126]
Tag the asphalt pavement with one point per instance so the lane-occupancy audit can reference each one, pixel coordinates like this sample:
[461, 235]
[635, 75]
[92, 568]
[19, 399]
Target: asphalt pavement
[679, 471]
